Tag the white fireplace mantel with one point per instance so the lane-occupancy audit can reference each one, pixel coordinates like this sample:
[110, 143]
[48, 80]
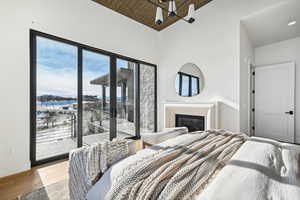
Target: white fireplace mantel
[207, 109]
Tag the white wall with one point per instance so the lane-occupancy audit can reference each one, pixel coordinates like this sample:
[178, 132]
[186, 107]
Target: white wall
[284, 51]
[212, 43]
[82, 21]
[191, 69]
[246, 58]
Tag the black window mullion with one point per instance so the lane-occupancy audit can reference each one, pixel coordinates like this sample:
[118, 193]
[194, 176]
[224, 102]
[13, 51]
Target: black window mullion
[137, 100]
[113, 98]
[79, 97]
[33, 98]
[198, 85]
[190, 86]
[180, 84]
[155, 99]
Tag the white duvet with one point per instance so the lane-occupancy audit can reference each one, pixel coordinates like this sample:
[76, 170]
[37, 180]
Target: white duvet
[261, 170]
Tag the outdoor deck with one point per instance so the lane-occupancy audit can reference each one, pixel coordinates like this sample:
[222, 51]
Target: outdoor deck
[59, 140]
[49, 149]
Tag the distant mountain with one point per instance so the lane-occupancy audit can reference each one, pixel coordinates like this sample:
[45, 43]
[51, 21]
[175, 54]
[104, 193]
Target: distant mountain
[90, 98]
[48, 97]
[45, 98]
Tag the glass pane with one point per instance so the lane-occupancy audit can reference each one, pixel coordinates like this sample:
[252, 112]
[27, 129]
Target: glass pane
[185, 86]
[125, 99]
[56, 106]
[96, 98]
[195, 84]
[147, 98]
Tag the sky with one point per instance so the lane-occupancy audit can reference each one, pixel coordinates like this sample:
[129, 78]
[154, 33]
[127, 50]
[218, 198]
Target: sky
[57, 69]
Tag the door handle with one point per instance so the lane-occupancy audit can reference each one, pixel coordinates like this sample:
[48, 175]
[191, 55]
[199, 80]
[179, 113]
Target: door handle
[289, 112]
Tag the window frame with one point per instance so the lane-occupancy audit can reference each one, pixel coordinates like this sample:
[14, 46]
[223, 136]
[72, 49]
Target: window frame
[190, 92]
[33, 34]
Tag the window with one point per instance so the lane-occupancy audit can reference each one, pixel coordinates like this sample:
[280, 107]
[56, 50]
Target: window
[187, 85]
[56, 95]
[81, 95]
[95, 97]
[195, 86]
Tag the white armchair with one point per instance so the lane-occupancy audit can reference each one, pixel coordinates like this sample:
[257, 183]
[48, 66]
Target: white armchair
[165, 134]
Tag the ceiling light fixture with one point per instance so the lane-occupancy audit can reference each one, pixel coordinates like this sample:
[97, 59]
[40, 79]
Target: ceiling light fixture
[292, 23]
[169, 6]
[172, 8]
[190, 16]
[159, 16]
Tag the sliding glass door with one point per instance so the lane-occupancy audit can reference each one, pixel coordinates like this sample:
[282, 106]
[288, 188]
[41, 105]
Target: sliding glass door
[125, 82]
[81, 95]
[56, 98]
[96, 97]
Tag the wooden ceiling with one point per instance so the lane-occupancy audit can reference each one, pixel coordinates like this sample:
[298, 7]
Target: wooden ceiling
[144, 12]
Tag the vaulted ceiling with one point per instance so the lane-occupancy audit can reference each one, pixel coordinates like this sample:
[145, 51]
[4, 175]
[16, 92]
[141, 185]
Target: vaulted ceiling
[143, 11]
[263, 29]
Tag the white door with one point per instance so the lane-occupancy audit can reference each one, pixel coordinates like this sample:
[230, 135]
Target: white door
[274, 102]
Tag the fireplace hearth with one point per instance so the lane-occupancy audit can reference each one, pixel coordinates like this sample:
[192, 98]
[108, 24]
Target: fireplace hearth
[192, 122]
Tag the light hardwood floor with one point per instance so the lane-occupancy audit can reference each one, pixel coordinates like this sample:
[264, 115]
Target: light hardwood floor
[13, 186]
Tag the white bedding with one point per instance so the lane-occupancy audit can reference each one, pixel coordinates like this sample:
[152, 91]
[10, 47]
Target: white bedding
[100, 189]
[260, 170]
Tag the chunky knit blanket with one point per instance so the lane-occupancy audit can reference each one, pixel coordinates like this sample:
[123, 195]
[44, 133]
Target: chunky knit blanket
[86, 165]
[177, 172]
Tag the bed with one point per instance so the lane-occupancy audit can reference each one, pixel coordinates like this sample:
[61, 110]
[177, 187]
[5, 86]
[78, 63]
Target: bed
[259, 169]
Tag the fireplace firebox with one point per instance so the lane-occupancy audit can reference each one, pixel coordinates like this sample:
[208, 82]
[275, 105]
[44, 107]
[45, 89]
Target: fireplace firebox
[192, 122]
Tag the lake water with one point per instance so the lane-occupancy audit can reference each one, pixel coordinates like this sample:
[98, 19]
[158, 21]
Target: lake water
[65, 103]
[56, 103]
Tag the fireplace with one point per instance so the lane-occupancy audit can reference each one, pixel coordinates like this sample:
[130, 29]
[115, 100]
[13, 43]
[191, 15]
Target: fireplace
[192, 122]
